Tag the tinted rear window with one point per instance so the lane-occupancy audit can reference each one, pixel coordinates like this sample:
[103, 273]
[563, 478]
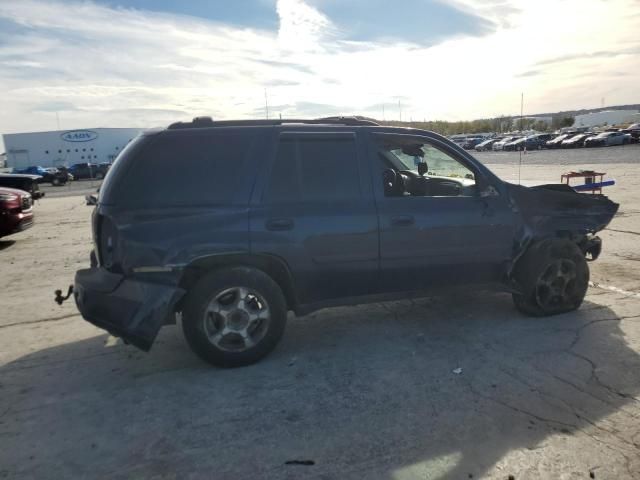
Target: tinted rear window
[314, 169]
[192, 169]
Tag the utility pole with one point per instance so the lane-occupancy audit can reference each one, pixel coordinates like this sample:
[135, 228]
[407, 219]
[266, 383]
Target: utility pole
[521, 114]
[266, 103]
[400, 108]
[383, 116]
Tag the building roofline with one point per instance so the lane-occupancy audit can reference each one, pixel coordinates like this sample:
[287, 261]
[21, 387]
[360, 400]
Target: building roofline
[76, 129]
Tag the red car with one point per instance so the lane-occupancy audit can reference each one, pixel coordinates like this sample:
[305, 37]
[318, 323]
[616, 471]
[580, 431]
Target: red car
[16, 211]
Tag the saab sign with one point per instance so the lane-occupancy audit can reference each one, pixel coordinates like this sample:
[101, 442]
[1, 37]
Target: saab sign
[79, 136]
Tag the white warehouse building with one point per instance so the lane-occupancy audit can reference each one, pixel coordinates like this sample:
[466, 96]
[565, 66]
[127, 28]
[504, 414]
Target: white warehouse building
[607, 117]
[66, 147]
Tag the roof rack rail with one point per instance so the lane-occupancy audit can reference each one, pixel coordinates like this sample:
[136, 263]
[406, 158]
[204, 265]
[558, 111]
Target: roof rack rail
[207, 122]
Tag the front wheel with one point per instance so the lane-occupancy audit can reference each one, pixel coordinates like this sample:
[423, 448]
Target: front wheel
[234, 316]
[553, 277]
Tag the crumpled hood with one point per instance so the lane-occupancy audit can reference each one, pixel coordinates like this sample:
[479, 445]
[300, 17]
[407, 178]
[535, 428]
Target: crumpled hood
[547, 209]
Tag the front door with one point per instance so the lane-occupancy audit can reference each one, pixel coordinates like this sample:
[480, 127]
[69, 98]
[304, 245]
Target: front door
[317, 213]
[435, 228]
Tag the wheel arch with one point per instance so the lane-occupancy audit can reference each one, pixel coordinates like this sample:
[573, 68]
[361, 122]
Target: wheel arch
[271, 265]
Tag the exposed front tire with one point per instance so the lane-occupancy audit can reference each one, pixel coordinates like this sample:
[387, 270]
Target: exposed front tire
[234, 316]
[553, 276]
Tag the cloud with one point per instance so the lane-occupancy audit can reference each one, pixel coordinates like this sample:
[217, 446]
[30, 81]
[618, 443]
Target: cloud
[120, 66]
[529, 73]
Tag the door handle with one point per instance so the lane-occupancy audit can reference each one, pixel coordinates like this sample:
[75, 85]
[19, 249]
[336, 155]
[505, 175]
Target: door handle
[279, 224]
[402, 221]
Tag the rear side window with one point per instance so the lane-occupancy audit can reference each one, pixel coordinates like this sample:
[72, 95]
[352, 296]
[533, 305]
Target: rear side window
[186, 170]
[314, 169]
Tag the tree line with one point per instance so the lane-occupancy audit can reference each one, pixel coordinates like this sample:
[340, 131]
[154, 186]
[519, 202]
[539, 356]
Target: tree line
[498, 125]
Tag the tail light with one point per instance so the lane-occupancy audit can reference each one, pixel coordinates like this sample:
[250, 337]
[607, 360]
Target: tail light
[106, 242]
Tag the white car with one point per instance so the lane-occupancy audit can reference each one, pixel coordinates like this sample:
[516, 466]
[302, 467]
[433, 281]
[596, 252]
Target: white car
[500, 145]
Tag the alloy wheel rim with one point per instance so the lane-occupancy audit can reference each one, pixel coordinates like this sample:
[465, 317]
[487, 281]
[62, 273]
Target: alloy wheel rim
[236, 319]
[555, 285]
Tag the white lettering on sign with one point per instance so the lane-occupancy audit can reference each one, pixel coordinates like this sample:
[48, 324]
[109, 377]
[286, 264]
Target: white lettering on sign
[79, 136]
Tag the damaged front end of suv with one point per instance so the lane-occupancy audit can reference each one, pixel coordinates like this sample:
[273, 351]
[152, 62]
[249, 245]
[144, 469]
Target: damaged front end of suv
[556, 237]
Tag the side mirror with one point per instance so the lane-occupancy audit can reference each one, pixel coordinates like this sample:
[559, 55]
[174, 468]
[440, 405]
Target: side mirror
[489, 191]
[422, 168]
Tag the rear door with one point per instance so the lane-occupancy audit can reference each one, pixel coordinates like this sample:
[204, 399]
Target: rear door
[315, 210]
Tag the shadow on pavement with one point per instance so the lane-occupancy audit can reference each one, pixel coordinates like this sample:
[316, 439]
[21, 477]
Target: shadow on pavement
[365, 392]
[6, 244]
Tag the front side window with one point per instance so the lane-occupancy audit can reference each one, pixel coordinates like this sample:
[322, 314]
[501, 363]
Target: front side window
[411, 166]
[314, 169]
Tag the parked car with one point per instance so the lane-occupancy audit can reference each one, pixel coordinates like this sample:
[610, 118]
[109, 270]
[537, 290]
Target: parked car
[500, 145]
[89, 170]
[608, 139]
[258, 218]
[47, 175]
[634, 133]
[487, 144]
[576, 141]
[27, 183]
[557, 141]
[532, 142]
[16, 211]
[471, 142]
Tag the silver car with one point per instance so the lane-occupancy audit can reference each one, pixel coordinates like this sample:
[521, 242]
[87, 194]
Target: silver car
[608, 139]
[500, 145]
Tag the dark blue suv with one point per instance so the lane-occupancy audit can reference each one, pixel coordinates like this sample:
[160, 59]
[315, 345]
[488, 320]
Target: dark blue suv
[231, 225]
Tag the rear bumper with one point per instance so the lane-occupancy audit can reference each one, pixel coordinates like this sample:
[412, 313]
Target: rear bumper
[127, 308]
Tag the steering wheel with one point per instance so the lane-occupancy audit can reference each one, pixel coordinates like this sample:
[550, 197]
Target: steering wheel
[409, 173]
[416, 185]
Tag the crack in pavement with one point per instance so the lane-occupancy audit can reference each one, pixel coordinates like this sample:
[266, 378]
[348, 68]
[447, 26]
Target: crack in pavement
[612, 288]
[630, 232]
[42, 320]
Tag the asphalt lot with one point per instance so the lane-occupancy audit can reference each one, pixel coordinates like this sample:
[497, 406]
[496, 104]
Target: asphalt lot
[350, 393]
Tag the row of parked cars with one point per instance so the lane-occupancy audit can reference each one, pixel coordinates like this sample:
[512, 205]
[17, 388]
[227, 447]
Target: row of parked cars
[18, 191]
[61, 175]
[571, 139]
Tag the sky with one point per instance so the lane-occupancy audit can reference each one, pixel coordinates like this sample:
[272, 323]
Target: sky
[144, 63]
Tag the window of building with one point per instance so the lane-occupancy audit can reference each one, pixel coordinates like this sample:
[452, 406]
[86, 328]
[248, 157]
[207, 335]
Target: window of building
[76, 150]
[68, 151]
[47, 152]
[91, 149]
[314, 169]
[84, 149]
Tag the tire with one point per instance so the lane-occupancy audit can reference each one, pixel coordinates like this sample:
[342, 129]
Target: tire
[553, 276]
[218, 303]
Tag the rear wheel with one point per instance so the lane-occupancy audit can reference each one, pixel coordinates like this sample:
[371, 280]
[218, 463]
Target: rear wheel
[234, 316]
[553, 277]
